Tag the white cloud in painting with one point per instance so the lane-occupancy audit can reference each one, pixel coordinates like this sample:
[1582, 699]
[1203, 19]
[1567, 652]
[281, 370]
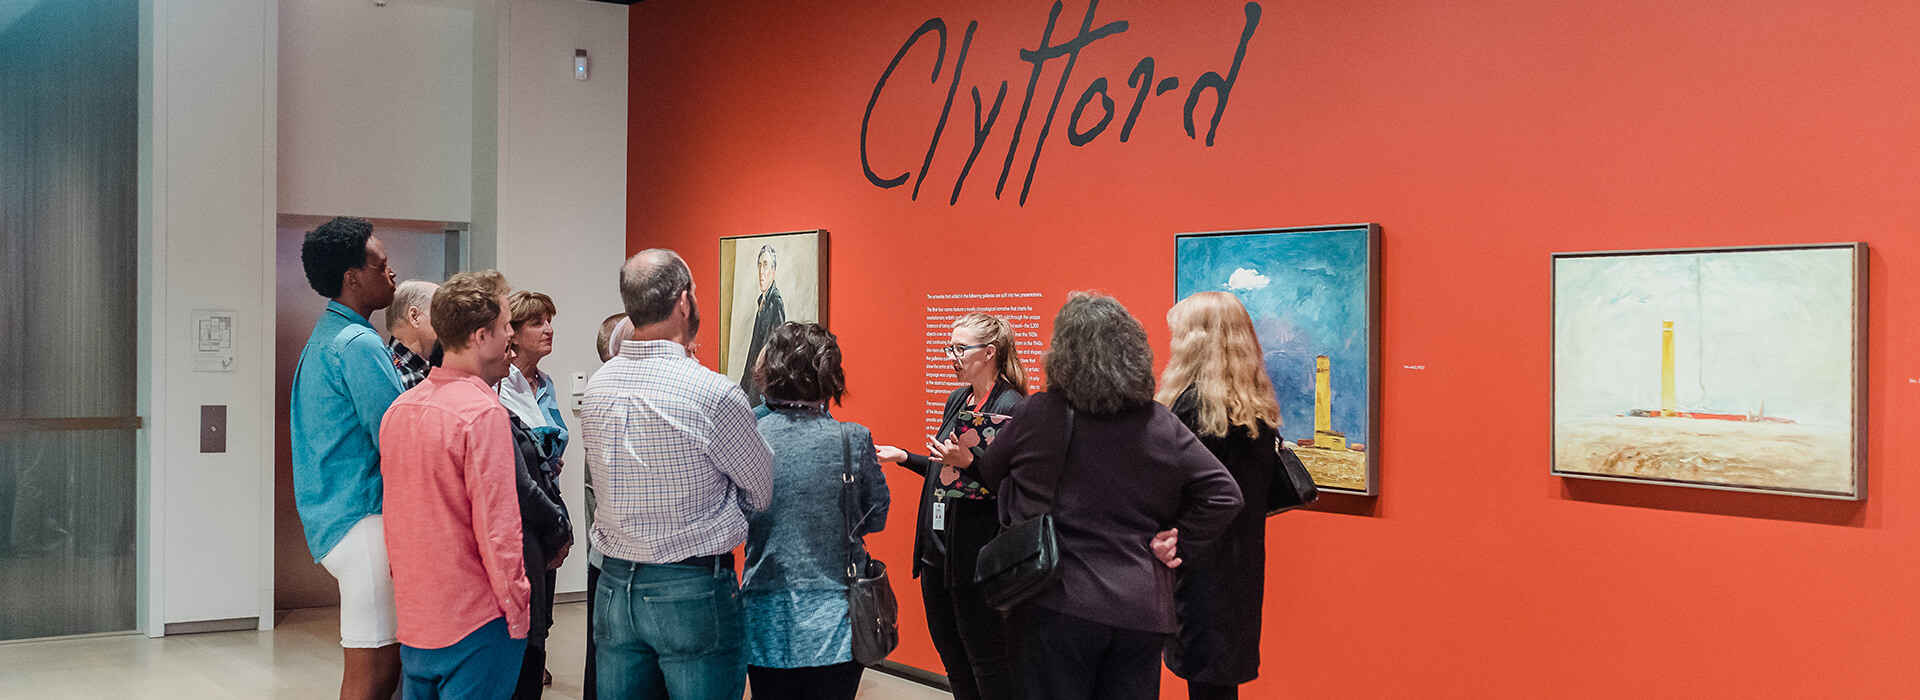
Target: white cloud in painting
[1246, 279]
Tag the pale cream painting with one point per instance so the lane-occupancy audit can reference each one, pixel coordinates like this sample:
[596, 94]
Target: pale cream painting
[1723, 368]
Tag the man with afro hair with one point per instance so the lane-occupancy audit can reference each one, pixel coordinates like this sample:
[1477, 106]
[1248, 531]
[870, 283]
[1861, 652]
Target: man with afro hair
[341, 389]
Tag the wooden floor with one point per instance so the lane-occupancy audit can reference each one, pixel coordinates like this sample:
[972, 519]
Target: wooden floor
[299, 659]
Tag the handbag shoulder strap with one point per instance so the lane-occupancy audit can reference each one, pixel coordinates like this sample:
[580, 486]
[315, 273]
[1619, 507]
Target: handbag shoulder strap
[847, 500]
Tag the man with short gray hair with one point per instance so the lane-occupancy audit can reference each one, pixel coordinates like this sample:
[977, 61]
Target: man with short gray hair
[676, 462]
[410, 323]
[768, 314]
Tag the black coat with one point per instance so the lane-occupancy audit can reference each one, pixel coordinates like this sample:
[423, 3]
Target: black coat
[544, 526]
[1218, 590]
[771, 313]
[1129, 475]
[971, 524]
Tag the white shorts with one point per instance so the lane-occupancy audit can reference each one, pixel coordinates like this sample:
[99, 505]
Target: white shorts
[359, 563]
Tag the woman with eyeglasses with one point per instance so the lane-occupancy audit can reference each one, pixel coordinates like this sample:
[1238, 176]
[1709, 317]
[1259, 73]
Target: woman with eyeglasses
[540, 436]
[958, 515]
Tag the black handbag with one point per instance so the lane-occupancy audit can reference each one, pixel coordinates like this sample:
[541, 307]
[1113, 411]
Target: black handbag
[1292, 486]
[871, 607]
[1024, 560]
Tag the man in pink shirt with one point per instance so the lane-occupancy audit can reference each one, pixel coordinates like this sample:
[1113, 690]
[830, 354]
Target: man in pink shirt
[452, 509]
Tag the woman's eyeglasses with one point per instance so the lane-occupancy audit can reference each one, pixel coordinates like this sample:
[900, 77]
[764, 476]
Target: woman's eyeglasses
[955, 351]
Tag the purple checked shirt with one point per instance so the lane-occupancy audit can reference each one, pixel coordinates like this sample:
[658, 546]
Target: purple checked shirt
[675, 456]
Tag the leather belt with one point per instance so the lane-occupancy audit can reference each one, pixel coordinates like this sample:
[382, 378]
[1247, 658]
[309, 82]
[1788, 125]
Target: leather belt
[715, 561]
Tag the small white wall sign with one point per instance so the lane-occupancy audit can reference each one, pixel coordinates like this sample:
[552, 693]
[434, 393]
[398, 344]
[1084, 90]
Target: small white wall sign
[213, 349]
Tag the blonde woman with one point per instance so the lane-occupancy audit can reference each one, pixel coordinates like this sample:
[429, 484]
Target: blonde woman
[959, 515]
[1216, 383]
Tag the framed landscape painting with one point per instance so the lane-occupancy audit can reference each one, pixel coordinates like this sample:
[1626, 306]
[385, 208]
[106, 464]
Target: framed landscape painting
[1313, 294]
[1727, 368]
[767, 280]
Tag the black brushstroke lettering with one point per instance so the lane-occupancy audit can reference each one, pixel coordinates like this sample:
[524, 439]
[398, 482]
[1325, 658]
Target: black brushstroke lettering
[1074, 135]
[1053, 17]
[959, 64]
[1222, 86]
[980, 130]
[933, 25]
[1142, 78]
[1071, 50]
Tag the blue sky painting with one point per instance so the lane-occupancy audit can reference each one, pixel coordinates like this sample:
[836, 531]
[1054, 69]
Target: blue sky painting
[1307, 293]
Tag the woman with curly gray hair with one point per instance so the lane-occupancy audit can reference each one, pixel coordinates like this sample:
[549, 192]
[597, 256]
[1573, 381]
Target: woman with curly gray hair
[1115, 468]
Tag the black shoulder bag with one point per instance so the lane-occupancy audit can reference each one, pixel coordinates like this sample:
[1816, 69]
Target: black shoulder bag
[870, 603]
[1024, 560]
[1292, 486]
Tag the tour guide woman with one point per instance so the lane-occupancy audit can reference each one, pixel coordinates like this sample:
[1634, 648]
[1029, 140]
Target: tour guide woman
[1114, 468]
[958, 515]
[1216, 383]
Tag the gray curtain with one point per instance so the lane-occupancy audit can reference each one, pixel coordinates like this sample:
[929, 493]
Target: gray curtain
[69, 120]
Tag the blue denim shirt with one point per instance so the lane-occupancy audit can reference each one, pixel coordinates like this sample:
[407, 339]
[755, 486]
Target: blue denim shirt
[342, 388]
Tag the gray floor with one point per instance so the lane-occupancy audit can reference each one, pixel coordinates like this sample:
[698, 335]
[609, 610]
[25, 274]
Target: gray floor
[300, 658]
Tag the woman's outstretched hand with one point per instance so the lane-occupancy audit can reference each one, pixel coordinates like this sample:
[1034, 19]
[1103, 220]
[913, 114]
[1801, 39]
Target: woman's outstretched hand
[949, 453]
[889, 454]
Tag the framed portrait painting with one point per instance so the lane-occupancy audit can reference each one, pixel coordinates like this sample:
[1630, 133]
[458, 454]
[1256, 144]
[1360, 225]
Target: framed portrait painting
[1728, 368]
[1313, 294]
[767, 280]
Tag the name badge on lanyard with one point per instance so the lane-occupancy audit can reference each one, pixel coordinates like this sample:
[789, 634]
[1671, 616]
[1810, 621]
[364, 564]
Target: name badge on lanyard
[939, 515]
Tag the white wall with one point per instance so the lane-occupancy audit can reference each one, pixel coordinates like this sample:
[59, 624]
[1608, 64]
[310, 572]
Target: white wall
[376, 108]
[206, 222]
[211, 113]
[563, 192]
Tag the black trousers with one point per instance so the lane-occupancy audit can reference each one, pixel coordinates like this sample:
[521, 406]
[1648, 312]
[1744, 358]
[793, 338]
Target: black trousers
[540, 622]
[840, 681]
[1063, 657]
[591, 690]
[531, 667]
[971, 639]
[1208, 691]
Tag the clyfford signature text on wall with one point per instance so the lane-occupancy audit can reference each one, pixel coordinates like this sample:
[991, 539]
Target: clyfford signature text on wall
[1079, 132]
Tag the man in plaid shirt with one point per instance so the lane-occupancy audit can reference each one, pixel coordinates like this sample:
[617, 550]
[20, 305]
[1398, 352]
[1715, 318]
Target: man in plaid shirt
[409, 321]
[676, 463]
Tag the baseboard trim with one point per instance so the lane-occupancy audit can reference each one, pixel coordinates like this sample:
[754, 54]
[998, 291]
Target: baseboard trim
[68, 637]
[917, 675]
[573, 597]
[233, 624]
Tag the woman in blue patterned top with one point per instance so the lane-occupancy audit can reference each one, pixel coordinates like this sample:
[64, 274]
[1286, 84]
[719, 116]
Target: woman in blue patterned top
[794, 591]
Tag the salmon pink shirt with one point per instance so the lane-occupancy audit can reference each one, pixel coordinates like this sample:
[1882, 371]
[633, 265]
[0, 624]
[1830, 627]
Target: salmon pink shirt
[452, 511]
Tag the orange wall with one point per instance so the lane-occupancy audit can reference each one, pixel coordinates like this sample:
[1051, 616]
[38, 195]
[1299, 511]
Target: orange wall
[1482, 136]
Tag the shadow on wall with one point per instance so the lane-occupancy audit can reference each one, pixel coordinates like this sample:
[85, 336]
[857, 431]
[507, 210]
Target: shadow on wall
[1738, 504]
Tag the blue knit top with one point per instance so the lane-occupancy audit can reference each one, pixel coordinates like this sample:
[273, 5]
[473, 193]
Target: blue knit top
[794, 590]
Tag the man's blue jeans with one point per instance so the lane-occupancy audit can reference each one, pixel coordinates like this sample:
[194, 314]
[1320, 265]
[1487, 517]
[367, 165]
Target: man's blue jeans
[483, 664]
[669, 631]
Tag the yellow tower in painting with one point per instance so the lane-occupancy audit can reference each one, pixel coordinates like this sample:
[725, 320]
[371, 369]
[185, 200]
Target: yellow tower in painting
[1669, 405]
[1323, 433]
